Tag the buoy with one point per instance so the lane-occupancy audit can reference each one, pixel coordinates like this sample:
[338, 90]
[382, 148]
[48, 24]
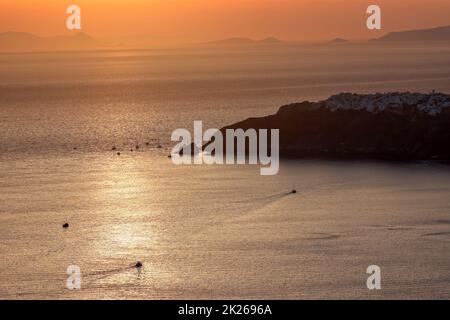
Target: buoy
[113, 148]
[118, 153]
[147, 143]
[65, 225]
[159, 146]
[294, 191]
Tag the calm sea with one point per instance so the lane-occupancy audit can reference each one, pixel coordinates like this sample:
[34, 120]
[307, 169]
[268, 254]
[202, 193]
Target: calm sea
[208, 231]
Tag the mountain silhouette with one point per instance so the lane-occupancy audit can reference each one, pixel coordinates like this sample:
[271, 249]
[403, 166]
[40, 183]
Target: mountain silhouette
[440, 34]
[339, 40]
[17, 41]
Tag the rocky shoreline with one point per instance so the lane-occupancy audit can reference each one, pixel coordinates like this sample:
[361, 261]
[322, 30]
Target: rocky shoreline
[394, 126]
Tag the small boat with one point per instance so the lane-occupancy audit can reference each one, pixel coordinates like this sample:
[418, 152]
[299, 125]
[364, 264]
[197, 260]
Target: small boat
[65, 225]
[138, 264]
[294, 191]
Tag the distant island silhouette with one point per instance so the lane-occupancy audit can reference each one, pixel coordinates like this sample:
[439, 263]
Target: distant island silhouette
[339, 40]
[13, 41]
[238, 41]
[439, 34]
[23, 41]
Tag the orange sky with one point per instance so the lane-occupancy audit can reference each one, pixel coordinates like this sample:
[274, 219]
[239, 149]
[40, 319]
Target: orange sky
[196, 20]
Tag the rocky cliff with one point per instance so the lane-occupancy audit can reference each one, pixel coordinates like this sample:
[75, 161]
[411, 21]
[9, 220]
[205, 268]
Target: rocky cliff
[406, 126]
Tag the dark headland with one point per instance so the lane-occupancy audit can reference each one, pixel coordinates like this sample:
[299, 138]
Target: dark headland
[394, 126]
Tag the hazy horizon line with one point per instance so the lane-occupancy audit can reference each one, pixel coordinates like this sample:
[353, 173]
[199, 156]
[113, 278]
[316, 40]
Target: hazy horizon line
[69, 33]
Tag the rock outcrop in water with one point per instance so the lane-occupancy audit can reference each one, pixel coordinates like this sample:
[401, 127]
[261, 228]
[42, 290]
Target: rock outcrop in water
[403, 126]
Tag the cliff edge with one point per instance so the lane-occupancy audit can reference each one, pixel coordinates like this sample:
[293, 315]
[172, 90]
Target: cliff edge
[397, 126]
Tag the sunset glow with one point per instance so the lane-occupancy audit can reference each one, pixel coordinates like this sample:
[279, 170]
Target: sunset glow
[197, 20]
